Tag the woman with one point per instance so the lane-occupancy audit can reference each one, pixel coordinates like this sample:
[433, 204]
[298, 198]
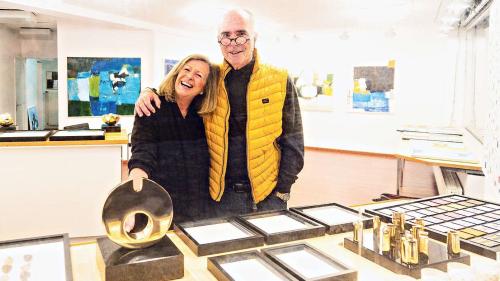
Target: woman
[169, 146]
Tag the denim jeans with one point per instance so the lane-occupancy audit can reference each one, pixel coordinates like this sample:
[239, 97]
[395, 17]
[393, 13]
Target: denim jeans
[238, 203]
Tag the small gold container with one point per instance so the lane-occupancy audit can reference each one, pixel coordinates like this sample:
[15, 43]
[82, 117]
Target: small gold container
[415, 231]
[453, 242]
[396, 216]
[420, 221]
[376, 225]
[386, 240]
[423, 247]
[392, 232]
[358, 232]
[404, 250]
[413, 248]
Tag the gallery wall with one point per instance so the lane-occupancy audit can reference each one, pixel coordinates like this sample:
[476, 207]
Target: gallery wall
[10, 47]
[93, 40]
[424, 78]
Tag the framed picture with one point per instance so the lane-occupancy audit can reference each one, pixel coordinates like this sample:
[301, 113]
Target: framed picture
[98, 86]
[251, 265]
[213, 236]
[36, 259]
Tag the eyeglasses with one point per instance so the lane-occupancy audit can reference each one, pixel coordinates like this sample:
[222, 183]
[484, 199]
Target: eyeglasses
[240, 40]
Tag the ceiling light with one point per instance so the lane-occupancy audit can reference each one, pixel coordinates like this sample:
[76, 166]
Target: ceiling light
[15, 14]
[35, 32]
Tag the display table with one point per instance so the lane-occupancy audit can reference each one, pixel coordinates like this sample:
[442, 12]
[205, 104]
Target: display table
[83, 257]
[52, 187]
[405, 154]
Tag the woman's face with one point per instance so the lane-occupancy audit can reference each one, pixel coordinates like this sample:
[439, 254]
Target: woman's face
[192, 78]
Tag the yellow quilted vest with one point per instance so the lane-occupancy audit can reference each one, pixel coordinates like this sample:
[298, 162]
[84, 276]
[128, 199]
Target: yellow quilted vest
[265, 98]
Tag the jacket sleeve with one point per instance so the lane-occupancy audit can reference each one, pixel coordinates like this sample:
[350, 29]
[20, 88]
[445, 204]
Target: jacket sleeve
[291, 141]
[144, 144]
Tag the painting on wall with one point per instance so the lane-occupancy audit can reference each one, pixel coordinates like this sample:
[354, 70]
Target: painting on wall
[315, 90]
[168, 65]
[32, 118]
[373, 88]
[97, 86]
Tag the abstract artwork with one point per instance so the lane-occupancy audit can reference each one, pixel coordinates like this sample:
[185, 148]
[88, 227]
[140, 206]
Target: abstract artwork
[97, 86]
[168, 65]
[315, 90]
[32, 118]
[373, 88]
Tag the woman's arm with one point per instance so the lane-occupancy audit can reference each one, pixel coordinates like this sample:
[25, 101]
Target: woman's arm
[144, 139]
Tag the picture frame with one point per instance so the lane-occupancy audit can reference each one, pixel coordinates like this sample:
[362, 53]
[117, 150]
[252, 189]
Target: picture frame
[282, 226]
[73, 135]
[326, 213]
[305, 262]
[238, 266]
[38, 258]
[199, 236]
[24, 136]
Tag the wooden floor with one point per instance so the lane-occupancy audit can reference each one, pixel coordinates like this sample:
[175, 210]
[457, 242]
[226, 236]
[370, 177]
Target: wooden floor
[353, 178]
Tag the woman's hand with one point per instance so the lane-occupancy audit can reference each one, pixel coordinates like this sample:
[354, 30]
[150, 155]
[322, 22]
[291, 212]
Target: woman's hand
[137, 175]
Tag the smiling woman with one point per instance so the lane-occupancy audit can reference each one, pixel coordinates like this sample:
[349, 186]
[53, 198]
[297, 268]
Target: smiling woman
[169, 146]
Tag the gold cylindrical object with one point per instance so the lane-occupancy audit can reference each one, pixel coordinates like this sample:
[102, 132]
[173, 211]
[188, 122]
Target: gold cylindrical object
[453, 241]
[404, 250]
[415, 231]
[402, 221]
[413, 249]
[376, 225]
[420, 221]
[423, 242]
[386, 240]
[396, 216]
[423, 247]
[358, 232]
[392, 232]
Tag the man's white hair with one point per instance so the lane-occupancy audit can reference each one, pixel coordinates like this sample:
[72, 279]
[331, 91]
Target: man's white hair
[244, 13]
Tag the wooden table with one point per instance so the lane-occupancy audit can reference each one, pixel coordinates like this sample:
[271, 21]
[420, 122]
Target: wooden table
[83, 257]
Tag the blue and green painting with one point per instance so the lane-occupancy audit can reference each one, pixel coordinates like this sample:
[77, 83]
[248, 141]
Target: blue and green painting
[97, 86]
[373, 87]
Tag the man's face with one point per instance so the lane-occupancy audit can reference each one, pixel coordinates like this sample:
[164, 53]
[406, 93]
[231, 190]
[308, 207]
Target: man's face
[233, 26]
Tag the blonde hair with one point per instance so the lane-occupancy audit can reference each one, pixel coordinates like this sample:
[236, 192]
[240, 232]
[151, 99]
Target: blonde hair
[209, 98]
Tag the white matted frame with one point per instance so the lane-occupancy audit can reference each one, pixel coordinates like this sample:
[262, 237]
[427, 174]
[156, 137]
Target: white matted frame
[37, 259]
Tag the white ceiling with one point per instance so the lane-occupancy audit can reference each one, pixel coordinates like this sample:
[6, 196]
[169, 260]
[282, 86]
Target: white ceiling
[295, 16]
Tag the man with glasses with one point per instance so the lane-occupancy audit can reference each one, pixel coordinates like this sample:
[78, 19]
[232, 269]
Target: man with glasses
[255, 135]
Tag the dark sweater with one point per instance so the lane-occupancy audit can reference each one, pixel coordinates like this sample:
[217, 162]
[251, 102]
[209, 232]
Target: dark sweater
[173, 151]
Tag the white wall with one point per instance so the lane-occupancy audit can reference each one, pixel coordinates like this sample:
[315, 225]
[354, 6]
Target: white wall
[78, 40]
[40, 48]
[424, 79]
[10, 47]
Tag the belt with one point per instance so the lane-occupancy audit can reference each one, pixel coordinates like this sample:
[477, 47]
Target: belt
[239, 187]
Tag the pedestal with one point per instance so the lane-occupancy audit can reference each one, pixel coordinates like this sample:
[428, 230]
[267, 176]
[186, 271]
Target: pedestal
[9, 128]
[111, 128]
[160, 262]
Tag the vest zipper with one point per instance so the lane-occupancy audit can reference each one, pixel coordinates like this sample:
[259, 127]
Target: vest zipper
[224, 154]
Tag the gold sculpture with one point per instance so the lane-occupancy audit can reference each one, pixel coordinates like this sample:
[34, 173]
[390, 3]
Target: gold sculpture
[110, 119]
[151, 208]
[6, 120]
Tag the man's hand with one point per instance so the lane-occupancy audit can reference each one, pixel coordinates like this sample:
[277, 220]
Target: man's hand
[143, 105]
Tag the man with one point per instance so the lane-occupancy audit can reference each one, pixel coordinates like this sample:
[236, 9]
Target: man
[255, 135]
